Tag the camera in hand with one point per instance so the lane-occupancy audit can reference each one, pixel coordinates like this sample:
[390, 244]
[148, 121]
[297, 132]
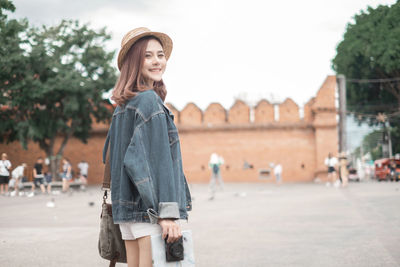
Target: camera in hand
[174, 251]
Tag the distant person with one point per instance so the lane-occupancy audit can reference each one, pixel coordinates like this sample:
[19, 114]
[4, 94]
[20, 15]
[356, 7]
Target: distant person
[343, 171]
[48, 177]
[331, 163]
[5, 167]
[66, 175]
[247, 165]
[16, 178]
[215, 166]
[392, 167]
[38, 175]
[83, 167]
[278, 173]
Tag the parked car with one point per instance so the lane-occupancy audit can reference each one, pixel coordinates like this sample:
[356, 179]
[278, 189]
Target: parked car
[353, 176]
[387, 169]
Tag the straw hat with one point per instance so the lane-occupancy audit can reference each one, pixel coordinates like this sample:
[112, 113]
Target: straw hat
[132, 36]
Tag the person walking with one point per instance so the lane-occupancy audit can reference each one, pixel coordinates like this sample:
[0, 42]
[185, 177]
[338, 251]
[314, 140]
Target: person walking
[278, 173]
[149, 190]
[5, 167]
[331, 163]
[215, 165]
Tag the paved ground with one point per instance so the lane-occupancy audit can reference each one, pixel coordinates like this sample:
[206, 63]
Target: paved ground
[245, 225]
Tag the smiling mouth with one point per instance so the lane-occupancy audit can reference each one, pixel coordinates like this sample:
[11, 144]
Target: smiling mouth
[155, 70]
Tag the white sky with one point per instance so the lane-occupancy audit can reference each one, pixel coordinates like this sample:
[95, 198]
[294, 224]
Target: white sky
[224, 49]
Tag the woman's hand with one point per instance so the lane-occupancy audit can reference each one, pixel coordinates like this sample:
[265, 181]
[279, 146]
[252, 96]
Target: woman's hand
[170, 228]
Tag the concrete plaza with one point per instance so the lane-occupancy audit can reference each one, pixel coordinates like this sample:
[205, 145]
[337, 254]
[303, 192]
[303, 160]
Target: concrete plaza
[245, 225]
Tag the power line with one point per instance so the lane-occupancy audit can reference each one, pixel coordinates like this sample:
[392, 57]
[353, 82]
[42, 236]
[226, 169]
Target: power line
[390, 115]
[392, 106]
[395, 79]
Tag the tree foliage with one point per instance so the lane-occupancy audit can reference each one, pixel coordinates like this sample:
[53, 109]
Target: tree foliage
[370, 49]
[52, 81]
[12, 61]
[371, 143]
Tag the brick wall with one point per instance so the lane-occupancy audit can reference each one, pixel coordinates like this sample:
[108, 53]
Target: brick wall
[289, 111]
[191, 115]
[215, 114]
[239, 113]
[75, 151]
[299, 145]
[264, 112]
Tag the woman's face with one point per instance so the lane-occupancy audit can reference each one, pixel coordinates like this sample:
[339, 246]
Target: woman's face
[154, 62]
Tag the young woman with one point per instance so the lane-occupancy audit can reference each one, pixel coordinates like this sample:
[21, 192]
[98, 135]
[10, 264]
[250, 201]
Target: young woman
[66, 175]
[331, 163]
[5, 167]
[149, 191]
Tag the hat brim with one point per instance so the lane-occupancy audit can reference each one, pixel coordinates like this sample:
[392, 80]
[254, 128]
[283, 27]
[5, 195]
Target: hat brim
[165, 40]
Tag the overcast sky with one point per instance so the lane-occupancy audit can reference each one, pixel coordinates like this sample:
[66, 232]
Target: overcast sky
[224, 48]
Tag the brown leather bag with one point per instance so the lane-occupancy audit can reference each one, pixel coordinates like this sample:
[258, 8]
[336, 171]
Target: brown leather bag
[111, 246]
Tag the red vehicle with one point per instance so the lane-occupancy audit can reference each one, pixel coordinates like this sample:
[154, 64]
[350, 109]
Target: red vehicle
[383, 170]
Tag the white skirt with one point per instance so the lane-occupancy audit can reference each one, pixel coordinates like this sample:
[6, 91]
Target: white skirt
[135, 230]
[132, 231]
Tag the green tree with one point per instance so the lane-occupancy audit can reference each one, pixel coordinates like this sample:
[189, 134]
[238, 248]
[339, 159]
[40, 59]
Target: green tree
[370, 49]
[59, 91]
[372, 143]
[12, 61]
[395, 136]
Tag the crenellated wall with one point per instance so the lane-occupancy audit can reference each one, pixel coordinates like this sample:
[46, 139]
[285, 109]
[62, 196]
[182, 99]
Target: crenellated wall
[239, 113]
[191, 115]
[289, 111]
[215, 114]
[264, 112]
[300, 145]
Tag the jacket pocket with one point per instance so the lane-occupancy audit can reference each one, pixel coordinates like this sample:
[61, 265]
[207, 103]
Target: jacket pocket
[173, 137]
[174, 144]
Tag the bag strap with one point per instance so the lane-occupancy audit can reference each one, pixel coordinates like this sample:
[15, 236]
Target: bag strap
[107, 170]
[114, 260]
[106, 186]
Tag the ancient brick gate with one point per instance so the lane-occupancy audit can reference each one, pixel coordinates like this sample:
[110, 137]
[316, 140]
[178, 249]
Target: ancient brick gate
[299, 145]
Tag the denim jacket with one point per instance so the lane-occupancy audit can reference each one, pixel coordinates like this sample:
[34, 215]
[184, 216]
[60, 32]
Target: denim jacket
[147, 179]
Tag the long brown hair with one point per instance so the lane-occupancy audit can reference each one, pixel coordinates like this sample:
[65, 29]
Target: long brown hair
[131, 81]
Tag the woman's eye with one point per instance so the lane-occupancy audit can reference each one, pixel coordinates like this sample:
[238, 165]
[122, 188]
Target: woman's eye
[161, 55]
[148, 56]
